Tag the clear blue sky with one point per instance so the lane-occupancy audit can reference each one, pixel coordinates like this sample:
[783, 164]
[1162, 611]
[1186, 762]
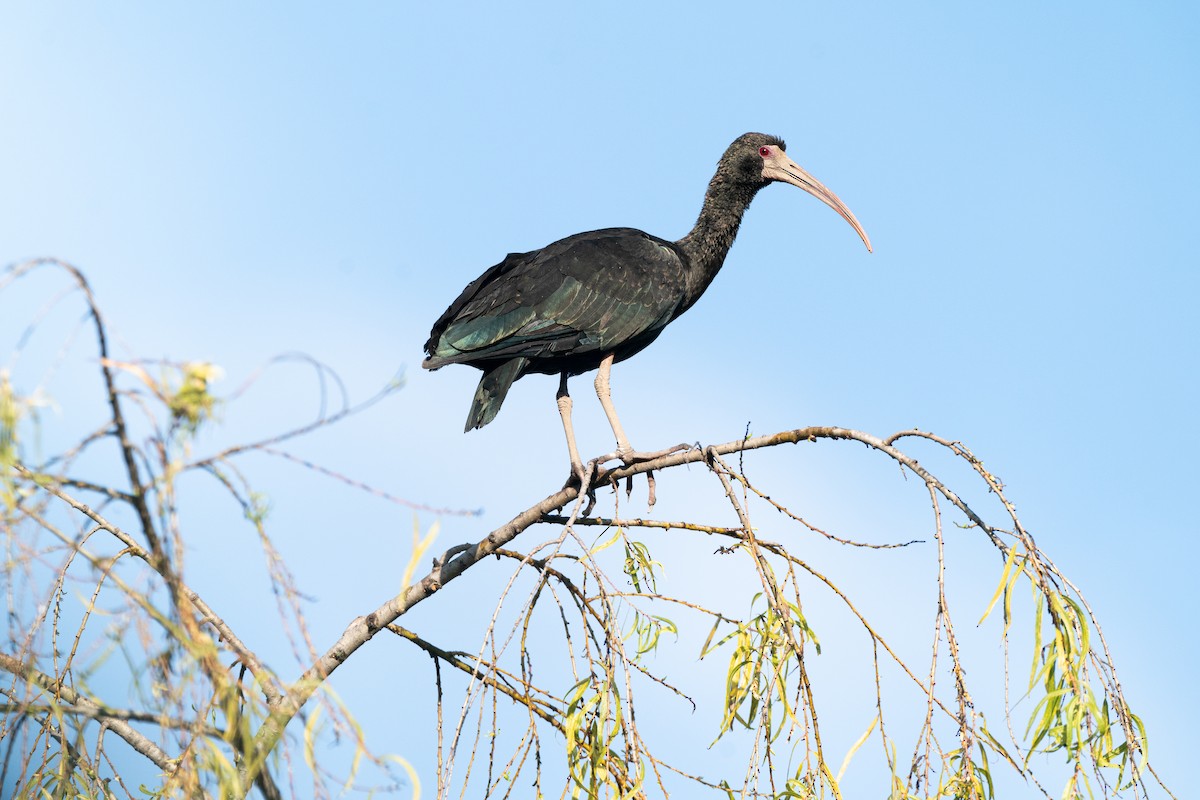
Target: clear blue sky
[240, 182]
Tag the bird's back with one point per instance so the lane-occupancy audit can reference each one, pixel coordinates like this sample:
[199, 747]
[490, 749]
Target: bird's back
[566, 306]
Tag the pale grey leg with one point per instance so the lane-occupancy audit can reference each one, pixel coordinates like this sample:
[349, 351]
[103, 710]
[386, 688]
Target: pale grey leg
[564, 411]
[624, 451]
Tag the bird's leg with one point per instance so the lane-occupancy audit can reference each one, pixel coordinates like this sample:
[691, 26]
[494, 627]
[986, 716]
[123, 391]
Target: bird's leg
[624, 452]
[564, 410]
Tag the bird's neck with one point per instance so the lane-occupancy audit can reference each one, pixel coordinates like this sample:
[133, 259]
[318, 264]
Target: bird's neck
[710, 239]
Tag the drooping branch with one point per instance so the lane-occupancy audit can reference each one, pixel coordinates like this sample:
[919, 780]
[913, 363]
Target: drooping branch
[267, 680]
[119, 428]
[491, 675]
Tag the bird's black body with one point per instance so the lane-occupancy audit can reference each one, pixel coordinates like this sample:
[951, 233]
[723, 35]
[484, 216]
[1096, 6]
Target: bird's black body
[561, 309]
[566, 307]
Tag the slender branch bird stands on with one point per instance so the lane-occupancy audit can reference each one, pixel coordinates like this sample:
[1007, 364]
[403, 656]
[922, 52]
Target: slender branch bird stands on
[596, 298]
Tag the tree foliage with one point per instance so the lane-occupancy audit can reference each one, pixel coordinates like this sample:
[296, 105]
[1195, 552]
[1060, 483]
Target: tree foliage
[98, 595]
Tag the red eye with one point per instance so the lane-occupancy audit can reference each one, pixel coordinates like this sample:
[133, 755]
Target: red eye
[764, 151]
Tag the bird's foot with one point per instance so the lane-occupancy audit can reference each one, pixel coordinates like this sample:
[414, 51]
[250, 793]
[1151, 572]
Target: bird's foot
[584, 477]
[628, 456]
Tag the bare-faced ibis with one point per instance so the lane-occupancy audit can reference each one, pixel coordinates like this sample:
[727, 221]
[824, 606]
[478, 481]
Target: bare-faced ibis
[596, 298]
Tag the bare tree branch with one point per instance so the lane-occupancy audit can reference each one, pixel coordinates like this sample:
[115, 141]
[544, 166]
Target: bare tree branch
[119, 726]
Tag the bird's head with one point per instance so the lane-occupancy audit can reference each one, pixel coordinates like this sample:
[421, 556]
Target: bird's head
[762, 159]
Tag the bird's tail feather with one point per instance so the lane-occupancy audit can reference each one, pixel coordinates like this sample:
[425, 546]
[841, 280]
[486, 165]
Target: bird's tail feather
[490, 393]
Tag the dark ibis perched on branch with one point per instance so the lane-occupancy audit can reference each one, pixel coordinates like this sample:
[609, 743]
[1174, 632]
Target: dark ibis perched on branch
[596, 298]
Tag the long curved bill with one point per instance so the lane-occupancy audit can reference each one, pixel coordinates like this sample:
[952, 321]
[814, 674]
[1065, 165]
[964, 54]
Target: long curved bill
[779, 167]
